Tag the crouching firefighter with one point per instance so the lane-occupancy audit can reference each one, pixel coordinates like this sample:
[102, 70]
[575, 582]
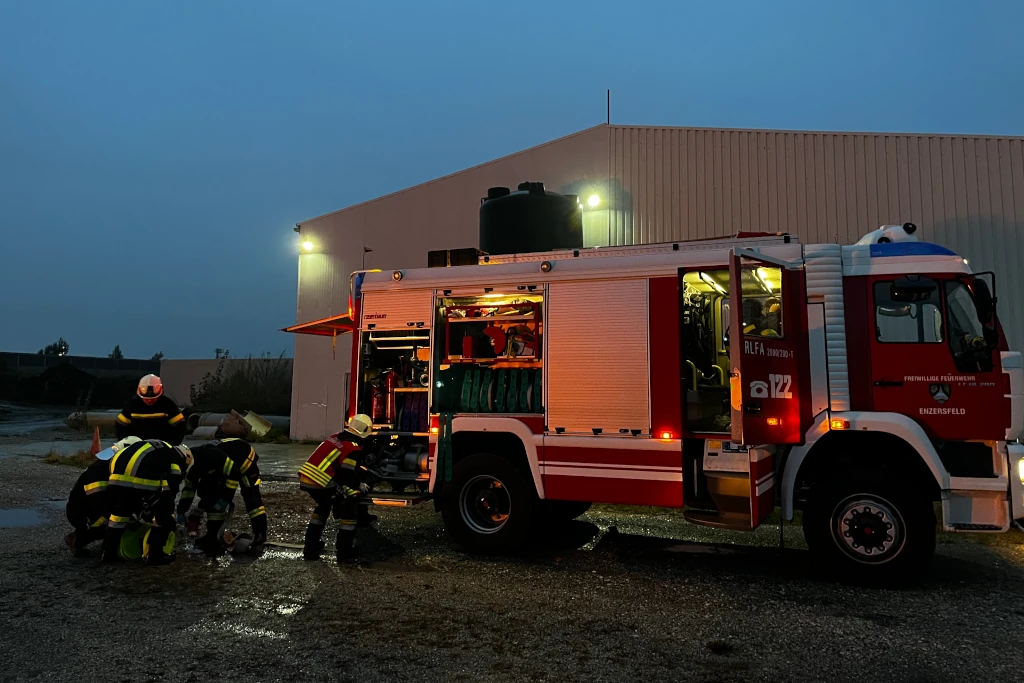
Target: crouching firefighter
[89, 502]
[144, 481]
[335, 479]
[215, 475]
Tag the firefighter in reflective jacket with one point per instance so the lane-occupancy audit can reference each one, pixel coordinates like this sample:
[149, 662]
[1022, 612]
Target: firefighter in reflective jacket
[244, 457]
[151, 415]
[332, 476]
[215, 475]
[144, 481]
[89, 503]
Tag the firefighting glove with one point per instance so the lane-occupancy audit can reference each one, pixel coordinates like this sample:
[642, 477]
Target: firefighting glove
[364, 487]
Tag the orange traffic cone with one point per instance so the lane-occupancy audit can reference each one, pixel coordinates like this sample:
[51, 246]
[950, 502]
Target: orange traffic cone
[96, 448]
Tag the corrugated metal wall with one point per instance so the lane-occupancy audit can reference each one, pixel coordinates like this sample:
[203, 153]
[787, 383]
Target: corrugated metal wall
[966, 193]
[663, 184]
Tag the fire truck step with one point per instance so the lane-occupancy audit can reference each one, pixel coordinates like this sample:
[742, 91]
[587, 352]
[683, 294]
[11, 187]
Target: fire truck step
[720, 520]
[962, 526]
[398, 500]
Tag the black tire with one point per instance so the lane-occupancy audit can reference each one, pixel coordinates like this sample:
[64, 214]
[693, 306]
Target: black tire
[870, 530]
[488, 505]
[561, 510]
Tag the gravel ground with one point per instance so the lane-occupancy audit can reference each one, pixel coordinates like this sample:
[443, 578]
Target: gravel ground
[590, 604]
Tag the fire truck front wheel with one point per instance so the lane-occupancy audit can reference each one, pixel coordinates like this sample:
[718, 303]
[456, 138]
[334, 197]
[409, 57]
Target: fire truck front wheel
[487, 506]
[870, 530]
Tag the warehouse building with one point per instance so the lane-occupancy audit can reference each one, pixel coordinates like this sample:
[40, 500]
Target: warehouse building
[641, 184]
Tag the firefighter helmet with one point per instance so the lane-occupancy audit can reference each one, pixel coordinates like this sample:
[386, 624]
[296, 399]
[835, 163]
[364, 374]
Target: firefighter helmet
[185, 452]
[360, 425]
[124, 443]
[150, 389]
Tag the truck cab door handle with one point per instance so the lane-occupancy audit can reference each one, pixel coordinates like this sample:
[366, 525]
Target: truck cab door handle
[752, 407]
[888, 383]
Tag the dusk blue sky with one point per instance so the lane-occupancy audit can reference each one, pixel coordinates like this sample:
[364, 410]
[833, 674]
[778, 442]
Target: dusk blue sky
[154, 156]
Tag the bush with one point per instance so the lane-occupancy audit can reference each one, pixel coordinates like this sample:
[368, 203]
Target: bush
[262, 385]
[81, 459]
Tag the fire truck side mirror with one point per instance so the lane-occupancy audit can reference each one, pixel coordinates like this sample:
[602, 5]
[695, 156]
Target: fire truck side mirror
[906, 290]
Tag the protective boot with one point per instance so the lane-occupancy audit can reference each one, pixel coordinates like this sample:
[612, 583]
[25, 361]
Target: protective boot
[344, 546]
[112, 545]
[75, 544]
[83, 537]
[213, 542]
[364, 518]
[259, 530]
[313, 543]
[156, 540]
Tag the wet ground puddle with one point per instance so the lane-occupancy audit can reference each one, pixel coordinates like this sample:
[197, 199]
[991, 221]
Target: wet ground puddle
[18, 517]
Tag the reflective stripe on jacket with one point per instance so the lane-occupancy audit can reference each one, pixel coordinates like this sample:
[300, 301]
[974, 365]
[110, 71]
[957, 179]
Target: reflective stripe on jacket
[328, 463]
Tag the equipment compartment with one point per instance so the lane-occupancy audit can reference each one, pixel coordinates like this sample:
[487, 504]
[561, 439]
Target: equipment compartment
[488, 354]
[394, 379]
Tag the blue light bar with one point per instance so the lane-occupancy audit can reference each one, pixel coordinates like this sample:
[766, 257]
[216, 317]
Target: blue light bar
[909, 249]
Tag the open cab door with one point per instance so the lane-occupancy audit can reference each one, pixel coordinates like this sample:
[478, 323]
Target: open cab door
[769, 396]
[769, 379]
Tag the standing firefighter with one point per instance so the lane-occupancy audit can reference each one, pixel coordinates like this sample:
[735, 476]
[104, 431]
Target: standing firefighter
[333, 477]
[144, 481]
[217, 471]
[151, 415]
[89, 502]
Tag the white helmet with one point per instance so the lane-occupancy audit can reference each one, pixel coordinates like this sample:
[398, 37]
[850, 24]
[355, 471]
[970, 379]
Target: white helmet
[185, 452]
[150, 388]
[125, 443]
[360, 425]
[108, 453]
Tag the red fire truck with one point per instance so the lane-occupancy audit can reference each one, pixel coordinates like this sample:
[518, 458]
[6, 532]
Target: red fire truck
[859, 384]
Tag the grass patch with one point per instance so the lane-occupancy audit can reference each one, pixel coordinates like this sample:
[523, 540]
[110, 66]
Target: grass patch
[80, 459]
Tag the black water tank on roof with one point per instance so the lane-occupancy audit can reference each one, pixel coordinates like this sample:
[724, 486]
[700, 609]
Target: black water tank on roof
[530, 219]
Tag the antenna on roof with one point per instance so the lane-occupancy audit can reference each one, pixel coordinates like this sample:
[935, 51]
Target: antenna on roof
[608, 117]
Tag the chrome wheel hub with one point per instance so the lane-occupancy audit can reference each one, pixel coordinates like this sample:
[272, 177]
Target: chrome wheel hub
[485, 504]
[868, 528]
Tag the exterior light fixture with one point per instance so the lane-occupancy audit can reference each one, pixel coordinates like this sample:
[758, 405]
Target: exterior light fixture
[307, 245]
[593, 200]
[546, 266]
[397, 275]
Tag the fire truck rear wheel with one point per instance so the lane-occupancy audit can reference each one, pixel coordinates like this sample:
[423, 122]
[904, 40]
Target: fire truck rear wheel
[869, 530]
[488, 505]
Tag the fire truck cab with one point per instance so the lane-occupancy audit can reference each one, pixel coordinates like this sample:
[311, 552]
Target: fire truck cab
[866, 386]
